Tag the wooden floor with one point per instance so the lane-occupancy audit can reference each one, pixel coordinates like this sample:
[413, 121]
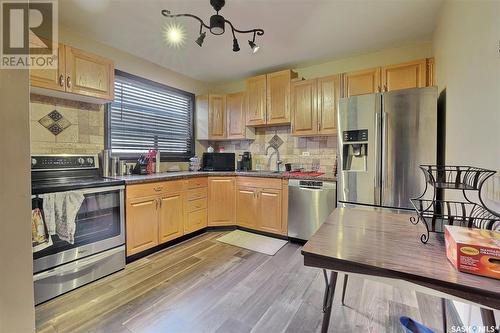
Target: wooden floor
[206, 286]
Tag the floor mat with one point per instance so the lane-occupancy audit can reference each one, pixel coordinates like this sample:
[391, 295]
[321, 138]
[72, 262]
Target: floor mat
[254, 242]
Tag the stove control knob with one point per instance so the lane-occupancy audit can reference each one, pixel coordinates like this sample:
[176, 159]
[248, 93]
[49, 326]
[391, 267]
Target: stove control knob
[81, 161]
[33, 162]
[90, 160]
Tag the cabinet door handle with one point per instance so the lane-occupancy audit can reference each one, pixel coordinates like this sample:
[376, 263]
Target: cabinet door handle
[68, 82]
[385, 87]
[61, 80]
[379, 89]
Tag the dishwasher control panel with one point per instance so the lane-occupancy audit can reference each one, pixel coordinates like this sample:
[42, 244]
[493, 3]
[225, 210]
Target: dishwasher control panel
[311, 183]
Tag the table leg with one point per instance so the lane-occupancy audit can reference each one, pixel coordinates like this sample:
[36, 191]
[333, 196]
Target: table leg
[344, 287]
[489, 319]
[443, 313]
[328, 299]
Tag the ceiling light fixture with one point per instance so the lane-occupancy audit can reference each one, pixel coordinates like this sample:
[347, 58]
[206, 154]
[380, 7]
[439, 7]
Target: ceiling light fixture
[253, 46]
[174, 34]
[217, 26]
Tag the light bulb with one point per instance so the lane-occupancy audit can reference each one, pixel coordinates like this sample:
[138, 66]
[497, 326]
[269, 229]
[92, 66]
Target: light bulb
[174, 35]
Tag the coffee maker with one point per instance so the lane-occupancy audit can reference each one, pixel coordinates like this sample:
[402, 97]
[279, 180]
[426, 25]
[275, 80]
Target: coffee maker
[246, 162]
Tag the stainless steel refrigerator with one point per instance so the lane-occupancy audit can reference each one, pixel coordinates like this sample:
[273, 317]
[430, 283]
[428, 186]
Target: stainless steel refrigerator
[383, 138]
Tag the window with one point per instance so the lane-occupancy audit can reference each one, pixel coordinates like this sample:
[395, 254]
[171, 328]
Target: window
[147, 115]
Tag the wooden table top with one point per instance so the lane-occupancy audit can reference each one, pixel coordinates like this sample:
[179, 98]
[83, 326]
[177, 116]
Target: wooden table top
[379, 243]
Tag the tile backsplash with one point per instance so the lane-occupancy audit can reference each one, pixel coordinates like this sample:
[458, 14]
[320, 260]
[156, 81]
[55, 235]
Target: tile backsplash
[83, 131]
[320, 149]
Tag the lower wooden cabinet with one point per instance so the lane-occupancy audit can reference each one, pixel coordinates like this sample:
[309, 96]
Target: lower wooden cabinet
[142, 224]
[195, 221]
[195, 205]
[269, 210]
[246, 207]
[221, 201]
[171, 221]
[184, 206]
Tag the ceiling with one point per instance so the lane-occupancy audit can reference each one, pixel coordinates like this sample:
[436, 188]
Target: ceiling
[296, 32]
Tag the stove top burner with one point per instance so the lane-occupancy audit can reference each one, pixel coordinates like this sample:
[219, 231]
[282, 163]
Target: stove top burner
[41, 186]
[58, 173]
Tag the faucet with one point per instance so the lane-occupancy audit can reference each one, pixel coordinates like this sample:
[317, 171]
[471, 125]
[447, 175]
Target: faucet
[278, 161]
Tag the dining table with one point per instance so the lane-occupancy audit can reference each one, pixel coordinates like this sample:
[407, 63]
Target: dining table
[384, 244]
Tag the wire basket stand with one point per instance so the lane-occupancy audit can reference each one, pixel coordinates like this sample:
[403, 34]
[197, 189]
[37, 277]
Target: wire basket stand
[435, 213]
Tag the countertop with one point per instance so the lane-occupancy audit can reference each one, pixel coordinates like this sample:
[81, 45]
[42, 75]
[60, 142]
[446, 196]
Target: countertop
[139, 179]
[386, 244]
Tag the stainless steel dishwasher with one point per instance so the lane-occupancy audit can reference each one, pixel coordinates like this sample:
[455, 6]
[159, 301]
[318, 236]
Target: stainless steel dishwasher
[309, 204]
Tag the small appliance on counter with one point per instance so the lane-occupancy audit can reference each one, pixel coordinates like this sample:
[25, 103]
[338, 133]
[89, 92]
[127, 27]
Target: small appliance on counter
[218, 162]
[194, 163]
[245, 164]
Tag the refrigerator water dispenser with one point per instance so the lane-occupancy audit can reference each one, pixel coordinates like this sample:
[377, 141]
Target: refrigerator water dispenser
[355, 150]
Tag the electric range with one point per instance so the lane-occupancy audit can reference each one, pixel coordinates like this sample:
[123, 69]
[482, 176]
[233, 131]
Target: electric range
[98, 248]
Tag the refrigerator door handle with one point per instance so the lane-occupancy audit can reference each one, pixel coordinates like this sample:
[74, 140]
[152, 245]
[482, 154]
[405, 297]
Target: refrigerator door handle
[384, 150]
[377, 177]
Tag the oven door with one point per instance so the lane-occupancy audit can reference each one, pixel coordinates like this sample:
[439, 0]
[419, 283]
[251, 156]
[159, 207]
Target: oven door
[99, 227]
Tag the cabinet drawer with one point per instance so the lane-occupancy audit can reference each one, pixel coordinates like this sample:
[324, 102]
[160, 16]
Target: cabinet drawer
[258, 182]
[195, 221]
[196, 204]
[196, 194]
[197, 182]
[149, 189]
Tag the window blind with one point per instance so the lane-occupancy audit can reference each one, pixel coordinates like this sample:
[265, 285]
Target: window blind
[146, 115]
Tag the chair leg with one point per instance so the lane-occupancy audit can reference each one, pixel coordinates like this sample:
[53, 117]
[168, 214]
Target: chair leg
[443, 311]
[344, 287]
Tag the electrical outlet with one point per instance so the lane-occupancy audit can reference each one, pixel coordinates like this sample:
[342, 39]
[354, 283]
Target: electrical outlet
[306, 153]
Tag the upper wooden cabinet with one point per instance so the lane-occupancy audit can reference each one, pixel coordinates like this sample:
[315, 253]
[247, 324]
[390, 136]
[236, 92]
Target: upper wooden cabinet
[269, 98]
[430, 72]
[304, 107]
[88, 74]
[53, 79]
[236, 109]
[362, 82]
[403, 76]
[216, 116]
[328, 101]
[412, 74]
[80, 75]
[221, 201]
[278, 97]
[222, 117]
[314, 106]
[256, 100]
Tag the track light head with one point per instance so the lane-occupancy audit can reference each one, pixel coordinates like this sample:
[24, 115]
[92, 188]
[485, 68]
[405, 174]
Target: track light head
[201, 38]
[236, 46]
[253, 46]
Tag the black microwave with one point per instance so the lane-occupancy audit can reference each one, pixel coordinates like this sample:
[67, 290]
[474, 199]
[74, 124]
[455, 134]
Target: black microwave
[219, 161]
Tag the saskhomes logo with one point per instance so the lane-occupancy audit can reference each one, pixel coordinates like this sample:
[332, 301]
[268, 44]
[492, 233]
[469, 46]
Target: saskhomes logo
[29, 36]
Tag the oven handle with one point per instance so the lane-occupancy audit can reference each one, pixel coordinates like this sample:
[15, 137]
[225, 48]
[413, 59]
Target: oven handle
[92, 190]
[76, 266]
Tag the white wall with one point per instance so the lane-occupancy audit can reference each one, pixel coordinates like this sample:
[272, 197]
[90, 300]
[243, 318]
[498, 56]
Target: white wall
[466, 51]
[16, 261]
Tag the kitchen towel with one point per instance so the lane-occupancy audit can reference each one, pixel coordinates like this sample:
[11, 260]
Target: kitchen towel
[60, 211]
